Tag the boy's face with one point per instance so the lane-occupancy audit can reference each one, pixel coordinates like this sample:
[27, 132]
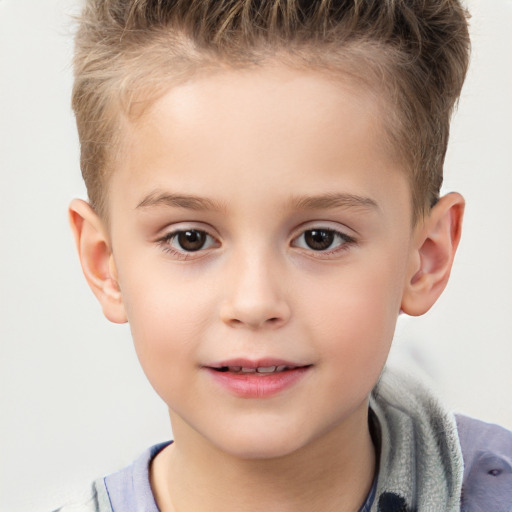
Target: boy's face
[257, 220]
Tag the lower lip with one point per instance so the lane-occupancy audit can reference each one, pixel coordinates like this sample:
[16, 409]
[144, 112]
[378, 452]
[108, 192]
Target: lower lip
[252, 385]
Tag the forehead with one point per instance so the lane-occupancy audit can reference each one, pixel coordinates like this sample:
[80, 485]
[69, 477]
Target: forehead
[257, 124]
[256, 101]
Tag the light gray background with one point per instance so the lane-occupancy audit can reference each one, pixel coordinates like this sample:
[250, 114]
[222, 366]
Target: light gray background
[74, 403]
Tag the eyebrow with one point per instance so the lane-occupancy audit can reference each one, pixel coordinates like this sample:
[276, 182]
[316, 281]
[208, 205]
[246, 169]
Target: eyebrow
[189, 202]
[318, 202]
[334, 200]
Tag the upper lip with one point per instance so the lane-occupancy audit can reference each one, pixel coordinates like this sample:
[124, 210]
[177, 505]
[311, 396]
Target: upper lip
[251, 363]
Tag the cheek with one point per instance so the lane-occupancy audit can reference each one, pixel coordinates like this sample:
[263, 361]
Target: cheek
[357, 312]
[167, 319]
[161, 300]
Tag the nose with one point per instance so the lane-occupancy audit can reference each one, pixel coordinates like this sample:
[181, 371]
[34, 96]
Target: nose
[256, 296]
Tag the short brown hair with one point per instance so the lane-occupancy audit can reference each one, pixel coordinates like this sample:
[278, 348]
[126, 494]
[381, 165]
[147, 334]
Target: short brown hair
[415, 51]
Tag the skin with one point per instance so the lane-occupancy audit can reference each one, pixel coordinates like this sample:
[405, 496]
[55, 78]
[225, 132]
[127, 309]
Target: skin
[263, 152]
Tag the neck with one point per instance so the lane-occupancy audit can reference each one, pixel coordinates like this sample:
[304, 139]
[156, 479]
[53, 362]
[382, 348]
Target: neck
[332, 473]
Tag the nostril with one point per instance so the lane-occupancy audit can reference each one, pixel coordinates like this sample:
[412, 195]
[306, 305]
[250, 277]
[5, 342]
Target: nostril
[254, 314]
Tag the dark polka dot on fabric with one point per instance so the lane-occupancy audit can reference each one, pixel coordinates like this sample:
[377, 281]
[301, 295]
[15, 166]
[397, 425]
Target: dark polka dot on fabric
[391, 502]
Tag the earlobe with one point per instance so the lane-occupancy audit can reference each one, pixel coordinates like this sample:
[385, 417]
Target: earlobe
[96, 258]
[432, 257]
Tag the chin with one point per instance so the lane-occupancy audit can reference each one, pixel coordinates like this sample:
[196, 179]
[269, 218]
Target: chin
[260, 451]
[262, 444]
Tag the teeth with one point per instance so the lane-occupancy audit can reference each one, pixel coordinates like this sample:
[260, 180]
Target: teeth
[267, 369]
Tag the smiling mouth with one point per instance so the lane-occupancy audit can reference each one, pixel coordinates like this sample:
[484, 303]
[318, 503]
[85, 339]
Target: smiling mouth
[257, 379]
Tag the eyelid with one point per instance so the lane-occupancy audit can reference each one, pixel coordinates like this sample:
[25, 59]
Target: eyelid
[178, 227]
[336, 227]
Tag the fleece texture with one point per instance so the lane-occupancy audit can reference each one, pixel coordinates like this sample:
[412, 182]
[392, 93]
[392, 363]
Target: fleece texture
[421, 464]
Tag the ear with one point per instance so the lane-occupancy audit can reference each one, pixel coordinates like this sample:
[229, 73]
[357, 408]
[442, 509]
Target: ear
[436, 241]
[92, 241]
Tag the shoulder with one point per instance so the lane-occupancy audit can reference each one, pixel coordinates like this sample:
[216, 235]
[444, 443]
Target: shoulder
[487, 453]
[130, 487]
[94, 500]
[476, 436]
[126, 489]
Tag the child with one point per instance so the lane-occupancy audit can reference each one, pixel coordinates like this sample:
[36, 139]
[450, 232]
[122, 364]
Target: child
[264, 181]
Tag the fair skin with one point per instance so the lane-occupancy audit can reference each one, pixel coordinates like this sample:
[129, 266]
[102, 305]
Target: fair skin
[257, 219]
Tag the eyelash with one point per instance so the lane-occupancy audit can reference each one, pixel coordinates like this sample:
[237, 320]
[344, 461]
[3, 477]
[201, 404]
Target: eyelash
[344, 242]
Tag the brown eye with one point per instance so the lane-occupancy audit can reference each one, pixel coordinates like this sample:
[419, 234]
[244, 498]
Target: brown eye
[184, 243]
[319, 239]
[191, 240]
[324, 241]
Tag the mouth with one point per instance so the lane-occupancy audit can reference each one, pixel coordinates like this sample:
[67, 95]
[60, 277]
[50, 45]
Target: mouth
[259, 370]
[257, 379]
[258, 367]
